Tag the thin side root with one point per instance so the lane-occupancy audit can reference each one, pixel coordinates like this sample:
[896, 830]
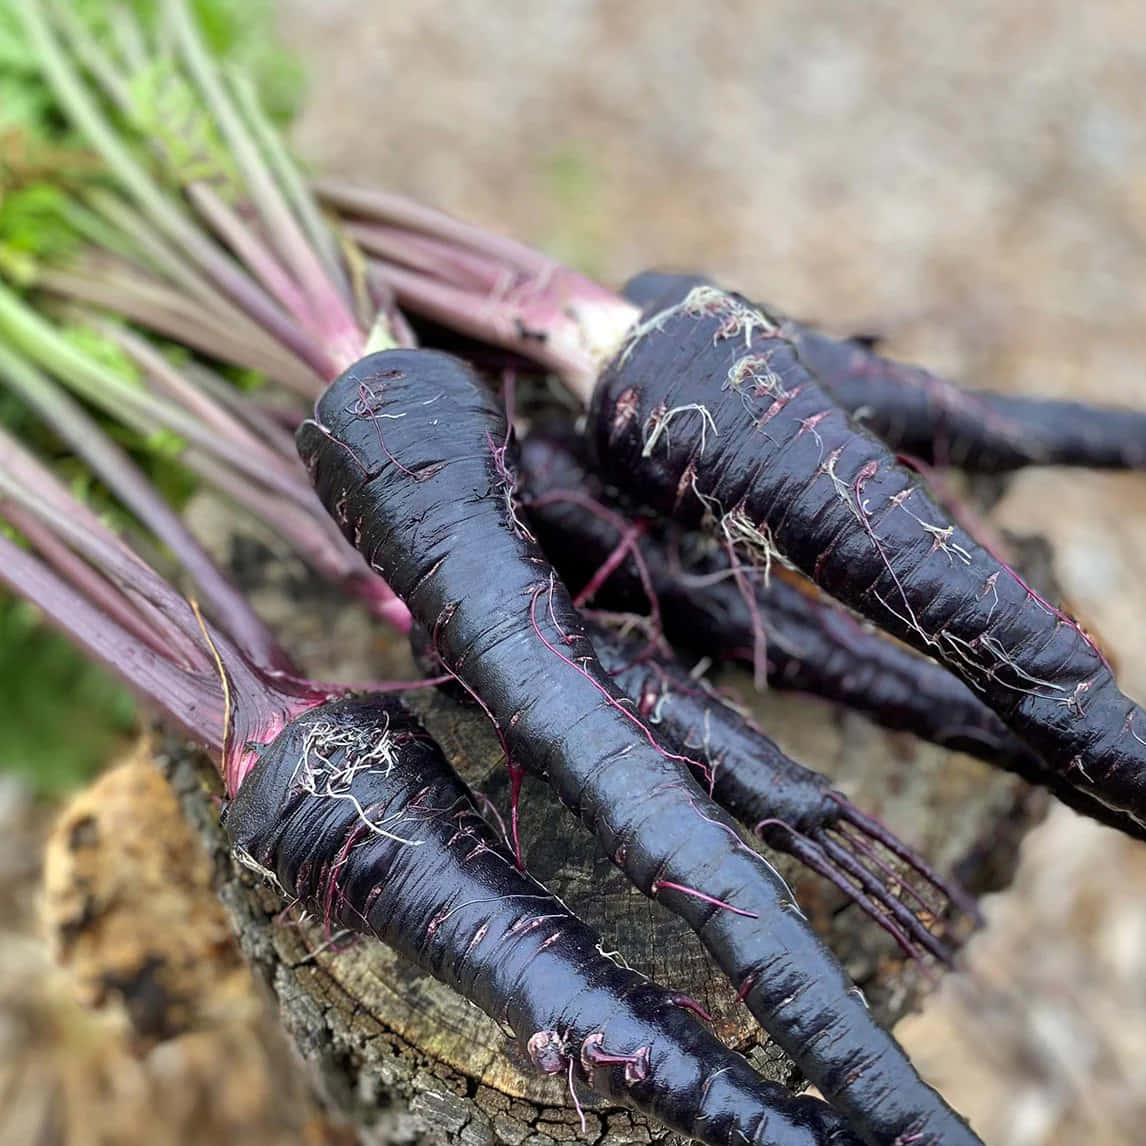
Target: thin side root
[855, 842]
[871, 883]
[881, 834]
[812, 856]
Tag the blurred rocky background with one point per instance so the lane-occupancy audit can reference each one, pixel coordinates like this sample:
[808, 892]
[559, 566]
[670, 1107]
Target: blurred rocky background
[968, 181]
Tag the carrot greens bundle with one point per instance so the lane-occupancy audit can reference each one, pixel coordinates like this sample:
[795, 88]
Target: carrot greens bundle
[191, 224]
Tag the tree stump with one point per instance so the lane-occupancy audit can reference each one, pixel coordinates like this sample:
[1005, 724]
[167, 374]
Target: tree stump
[403, 1059]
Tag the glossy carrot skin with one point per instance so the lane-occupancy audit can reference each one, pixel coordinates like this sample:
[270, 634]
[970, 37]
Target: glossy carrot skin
[748, 773]
[811, 643]
[411, 456]
[357, 814]
[708, 414]
[792, 808]
[930, 418]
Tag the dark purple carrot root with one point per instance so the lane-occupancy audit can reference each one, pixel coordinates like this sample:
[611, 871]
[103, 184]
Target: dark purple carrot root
[924, 416]
[787, 805]
[707, 413]
[811, 644]
[406, 453]
[350, 805]
[790, 807]
[355, 813]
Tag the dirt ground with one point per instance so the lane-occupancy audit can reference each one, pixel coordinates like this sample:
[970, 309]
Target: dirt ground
[969, 179]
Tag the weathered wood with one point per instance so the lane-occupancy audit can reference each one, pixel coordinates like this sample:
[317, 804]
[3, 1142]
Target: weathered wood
[149, 1026]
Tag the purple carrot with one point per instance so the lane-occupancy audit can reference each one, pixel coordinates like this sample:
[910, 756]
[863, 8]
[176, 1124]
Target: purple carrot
[350, 808]
[357, 814]
[924, 416]
[811, 644]
[410, 454]
[744, 771]
[702, 409]
[790, 807]
[763, 455]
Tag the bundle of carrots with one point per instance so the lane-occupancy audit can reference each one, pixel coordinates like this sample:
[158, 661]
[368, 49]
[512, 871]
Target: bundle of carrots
[718, 446]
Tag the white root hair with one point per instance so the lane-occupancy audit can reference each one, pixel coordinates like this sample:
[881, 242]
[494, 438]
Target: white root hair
[705, 301]
[754, 539]
[245, 859]
[372, 751]
[657, 426]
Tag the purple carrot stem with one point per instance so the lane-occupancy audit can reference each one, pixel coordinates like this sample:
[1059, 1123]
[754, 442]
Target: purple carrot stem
[193, 700]
[285, 474]
[340, 334]
[269, 700]
[385, 302]
[116, 469]
[247, 247]
[387, 207]
[172, 317]
[270, 144]
[326, 551]
[450, 264]
[17, 465]
[493, 320]
[123, 567]
[159, 254]
[81, 575]
[266, 428]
